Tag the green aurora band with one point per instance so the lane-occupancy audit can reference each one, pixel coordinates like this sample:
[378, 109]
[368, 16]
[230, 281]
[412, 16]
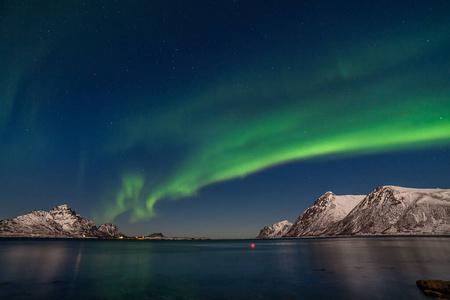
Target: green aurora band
[353, 104]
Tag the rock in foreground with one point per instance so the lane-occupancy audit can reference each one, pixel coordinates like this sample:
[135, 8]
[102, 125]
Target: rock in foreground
[435, 288]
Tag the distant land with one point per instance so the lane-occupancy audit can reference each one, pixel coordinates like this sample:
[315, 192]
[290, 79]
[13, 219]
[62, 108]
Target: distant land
[388, 210]
[63, 222]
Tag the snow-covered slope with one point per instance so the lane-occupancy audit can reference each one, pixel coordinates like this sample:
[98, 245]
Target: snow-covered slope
[275, 231]
[326, 211]
[398, 210]
[61, 221]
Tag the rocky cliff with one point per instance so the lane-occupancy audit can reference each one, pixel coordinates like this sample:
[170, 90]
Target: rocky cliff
[276, 230]
[111, 230]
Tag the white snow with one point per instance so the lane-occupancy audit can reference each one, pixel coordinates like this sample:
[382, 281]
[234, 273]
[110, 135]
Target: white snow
[276, 230]
[343, 205]
[61, 221]
[387, 209]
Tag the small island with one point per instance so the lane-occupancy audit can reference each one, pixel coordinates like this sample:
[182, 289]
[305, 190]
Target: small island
[160, 236]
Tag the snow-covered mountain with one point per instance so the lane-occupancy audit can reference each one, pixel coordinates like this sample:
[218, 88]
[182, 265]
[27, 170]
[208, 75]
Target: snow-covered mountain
[277, 230]
[61, 222]
[389, 210]
[398, 210]
[111, 230]
[326, 211]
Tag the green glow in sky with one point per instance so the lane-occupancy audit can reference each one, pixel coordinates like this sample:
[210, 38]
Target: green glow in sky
[359, 103]
[117, 108]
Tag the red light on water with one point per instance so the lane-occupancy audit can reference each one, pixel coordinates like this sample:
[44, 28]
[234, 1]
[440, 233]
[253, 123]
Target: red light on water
[252, 246]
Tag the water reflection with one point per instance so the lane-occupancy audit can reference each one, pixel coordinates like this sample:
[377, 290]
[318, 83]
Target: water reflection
[341, 268]
[21, 262]
[27, 269]
[380, 267]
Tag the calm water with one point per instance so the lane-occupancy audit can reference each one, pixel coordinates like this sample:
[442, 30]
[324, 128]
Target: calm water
[340, 268]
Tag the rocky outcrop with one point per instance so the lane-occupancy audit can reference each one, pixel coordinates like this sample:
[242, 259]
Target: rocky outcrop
[276, 230]
[111, 230]
[437, 289]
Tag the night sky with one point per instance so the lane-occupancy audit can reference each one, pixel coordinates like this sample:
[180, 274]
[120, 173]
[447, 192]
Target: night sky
[216, 118]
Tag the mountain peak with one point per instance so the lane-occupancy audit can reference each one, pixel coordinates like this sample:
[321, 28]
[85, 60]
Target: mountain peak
[410, 190]
[386, 210]
[325, 199]
[63, 207]
[327, 195]
[110, 229]
[398, 210]
[326, 210]
[61, 221]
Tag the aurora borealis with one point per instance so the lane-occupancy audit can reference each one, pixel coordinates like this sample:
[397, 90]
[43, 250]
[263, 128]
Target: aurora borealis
[240, 111]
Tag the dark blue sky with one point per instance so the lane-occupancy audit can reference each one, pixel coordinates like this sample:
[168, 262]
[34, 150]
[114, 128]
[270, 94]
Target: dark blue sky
[216, 118]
